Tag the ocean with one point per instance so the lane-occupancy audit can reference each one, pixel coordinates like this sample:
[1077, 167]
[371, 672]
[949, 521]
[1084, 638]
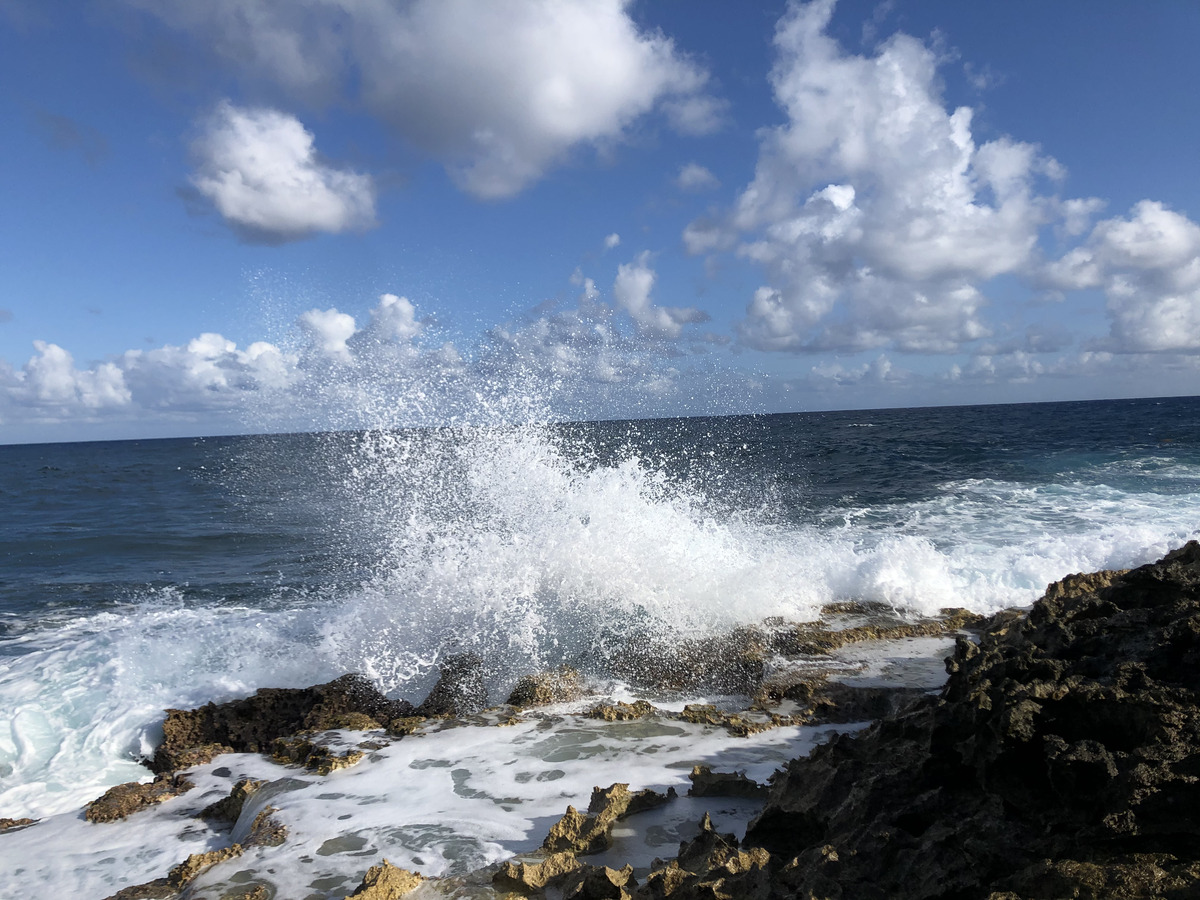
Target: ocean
[141, 575]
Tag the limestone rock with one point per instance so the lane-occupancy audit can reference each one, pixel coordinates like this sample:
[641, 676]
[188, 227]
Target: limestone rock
[621, 711]
[126, 799]
[562, 685]
[303, 752]
[251, 724]
[266, 830]
[460, 689]
[198, 862]
[7, 824]
[229, 808]
[387, 882]
[527, 877]
[600, 883]
[582, 833]
[1062, 759]
[707, 783]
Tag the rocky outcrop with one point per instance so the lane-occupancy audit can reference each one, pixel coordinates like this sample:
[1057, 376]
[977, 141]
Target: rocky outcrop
[387, 882]
[591, 832]
[460, 689]
[125, 799]
[1062, 759]
[561, 685]
[228, 809]
[707, 783]
[8, 824]
[252, 724]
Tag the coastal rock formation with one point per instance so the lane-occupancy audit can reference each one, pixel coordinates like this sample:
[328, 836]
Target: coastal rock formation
[591, 832]
[562, 685]
[252, 724]
[1061, 760]
[460, 689]
[707, 783]
[387, 882]
[126, 799]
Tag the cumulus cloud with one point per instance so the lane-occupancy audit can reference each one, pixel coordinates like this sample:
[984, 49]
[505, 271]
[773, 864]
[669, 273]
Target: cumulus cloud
[1148, 265]
[632, 289]
[613, 240]
[261, 171]
[694, 177]
[498, 92]
[873, 212]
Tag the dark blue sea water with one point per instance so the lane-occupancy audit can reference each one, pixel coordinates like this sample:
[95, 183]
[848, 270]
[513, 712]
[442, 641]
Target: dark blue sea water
[139, 575]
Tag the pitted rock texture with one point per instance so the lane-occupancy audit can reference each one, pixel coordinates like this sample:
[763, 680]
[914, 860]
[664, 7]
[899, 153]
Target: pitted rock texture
[1062, 759]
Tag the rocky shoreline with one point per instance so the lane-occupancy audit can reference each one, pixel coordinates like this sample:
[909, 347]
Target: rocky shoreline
[1060, 759]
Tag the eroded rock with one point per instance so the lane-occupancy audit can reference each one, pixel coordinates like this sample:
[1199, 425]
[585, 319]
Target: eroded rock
[527, 876]
[126, 799]
[591, 832]
[251, 724]
[1062, 759]
[387, 882]
[622, 711]
[707, 783]
[460, 689]
[561, 685]
[228, 809]
[8, 824]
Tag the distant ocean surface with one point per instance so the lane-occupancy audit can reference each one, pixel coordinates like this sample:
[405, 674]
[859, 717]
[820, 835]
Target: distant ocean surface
[140, 575]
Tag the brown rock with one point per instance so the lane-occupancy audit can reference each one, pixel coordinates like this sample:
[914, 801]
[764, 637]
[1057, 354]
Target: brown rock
[601, 883]
[266, 830]
[250, 725]
[460, 689]
[158, 889]
[1062, 759]
[621, 711]
[228, 809]
[562, 685]
[527, 877]
[126, 799]
[303, 752]
[198, 862]
[387, 882]
[7, 824]
[707, 783]
[581, 833]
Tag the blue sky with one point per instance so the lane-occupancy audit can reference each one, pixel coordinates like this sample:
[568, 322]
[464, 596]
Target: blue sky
[242, 215]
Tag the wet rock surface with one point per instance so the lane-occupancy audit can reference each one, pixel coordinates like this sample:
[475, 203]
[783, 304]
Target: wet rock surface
[562, 685]
[1062, 759]
[460, 689]
[125, 799]
[387, 882]
[591, 832]
[252, 724]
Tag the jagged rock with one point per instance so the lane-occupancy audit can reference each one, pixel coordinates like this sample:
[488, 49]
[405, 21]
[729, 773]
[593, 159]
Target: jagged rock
[198, 862]
[460, 689]
[126, 799]
[303, 752]
[600, 883]
[582, 833]
[737, 724]
[712, 865]
[732, 663]
[158, 889]
[621, 711]
[562, 685]
[228, 809]
[527, 877]
[6, 824]
[816, 639]
[1062, 759]
[403, 725]
[707, 783]
[266, 830]
[387, 882]
[254, 892]
[251, 724]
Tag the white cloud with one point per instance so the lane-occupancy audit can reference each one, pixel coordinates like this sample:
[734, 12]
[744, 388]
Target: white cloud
[329, 331]
[51, 381]
[261, 171]
[693, 177]
[613, 240]
[1148, 265]
[632, 289]
[499, 92]
[874, 214]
